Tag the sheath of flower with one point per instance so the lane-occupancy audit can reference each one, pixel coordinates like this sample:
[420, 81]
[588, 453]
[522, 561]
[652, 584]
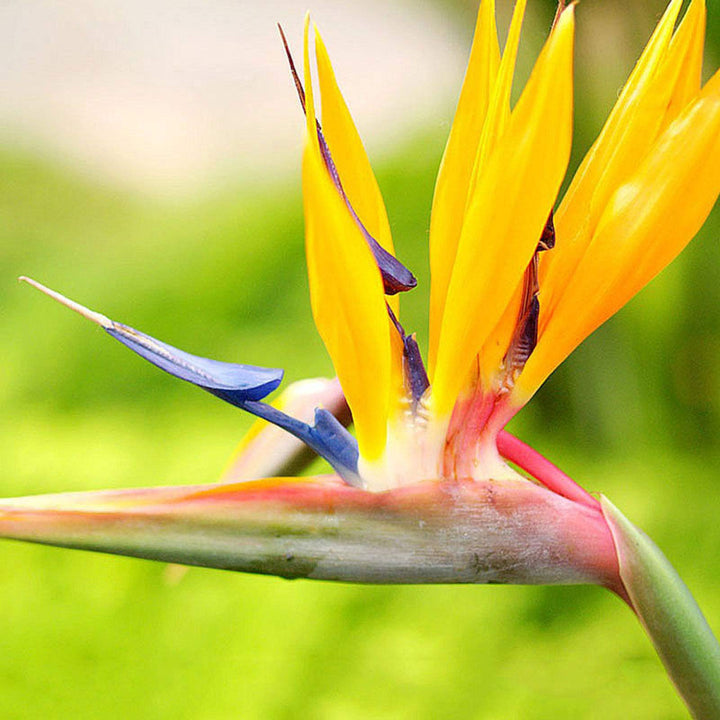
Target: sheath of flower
[426, 493]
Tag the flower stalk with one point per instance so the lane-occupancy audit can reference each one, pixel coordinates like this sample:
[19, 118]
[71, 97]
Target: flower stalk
[671, 617]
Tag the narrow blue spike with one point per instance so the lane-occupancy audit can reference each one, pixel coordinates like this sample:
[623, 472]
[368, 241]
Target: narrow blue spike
[414, 368]
[416, 377]
[230, 381]
[336, 439]
[328, 438]
[243, 386]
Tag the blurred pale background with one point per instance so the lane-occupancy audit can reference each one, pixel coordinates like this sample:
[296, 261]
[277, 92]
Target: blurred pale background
[149, 157]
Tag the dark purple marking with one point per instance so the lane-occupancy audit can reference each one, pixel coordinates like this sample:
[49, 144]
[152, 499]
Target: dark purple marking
[547, 239]
[293, 71]
[396, 277]
[416, 377]
[525, 337]
[528, 336]
[414, 367]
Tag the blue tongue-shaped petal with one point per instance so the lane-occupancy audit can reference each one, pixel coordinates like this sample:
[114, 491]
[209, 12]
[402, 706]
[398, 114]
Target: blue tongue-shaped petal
[240, 385]
[229, 381]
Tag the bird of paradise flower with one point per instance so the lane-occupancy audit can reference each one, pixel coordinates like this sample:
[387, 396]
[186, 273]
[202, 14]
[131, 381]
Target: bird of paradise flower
[424, 492]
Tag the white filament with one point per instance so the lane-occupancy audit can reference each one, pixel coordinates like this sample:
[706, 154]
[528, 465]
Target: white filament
[80, 309]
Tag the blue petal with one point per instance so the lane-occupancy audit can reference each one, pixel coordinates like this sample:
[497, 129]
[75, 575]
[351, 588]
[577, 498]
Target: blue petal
[414, 373]
[243, 386]
[229, 381]
[337, 443]
[414, 368]
[328, 438]
[240, 385]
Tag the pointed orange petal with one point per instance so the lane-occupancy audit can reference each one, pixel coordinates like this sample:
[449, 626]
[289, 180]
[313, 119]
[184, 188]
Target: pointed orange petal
[686, 52]
[647, 223]
[348, 152]
[348, 304]
[453, 179]
[496, 346]
[630, 129]
[497, 117]
[346, 294]
[514, 195]
[498, 112]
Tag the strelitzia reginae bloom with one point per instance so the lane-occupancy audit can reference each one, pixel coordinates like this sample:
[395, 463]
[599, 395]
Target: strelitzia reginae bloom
[424, 492]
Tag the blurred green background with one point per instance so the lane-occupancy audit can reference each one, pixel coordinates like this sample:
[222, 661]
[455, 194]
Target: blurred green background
[635, 413]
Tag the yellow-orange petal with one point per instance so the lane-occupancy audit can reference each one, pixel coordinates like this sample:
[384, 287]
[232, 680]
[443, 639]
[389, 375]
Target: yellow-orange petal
[686, 51]
[498, 112]
[648, 221]
[350, 158]
[496, 346]
[453, 180]
[628, 133]
[644, 120]
[348, 152]
[496, 120]
[346, 294]
[310, 112]
[591, 169]
[514, 195]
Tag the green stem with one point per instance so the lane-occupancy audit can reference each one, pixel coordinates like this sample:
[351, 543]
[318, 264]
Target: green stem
[674, 622]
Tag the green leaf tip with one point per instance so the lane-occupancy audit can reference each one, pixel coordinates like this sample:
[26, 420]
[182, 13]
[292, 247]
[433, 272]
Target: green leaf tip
[671, 617]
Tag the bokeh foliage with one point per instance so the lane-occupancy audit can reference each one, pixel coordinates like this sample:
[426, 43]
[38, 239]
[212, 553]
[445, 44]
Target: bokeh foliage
[635, 414]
